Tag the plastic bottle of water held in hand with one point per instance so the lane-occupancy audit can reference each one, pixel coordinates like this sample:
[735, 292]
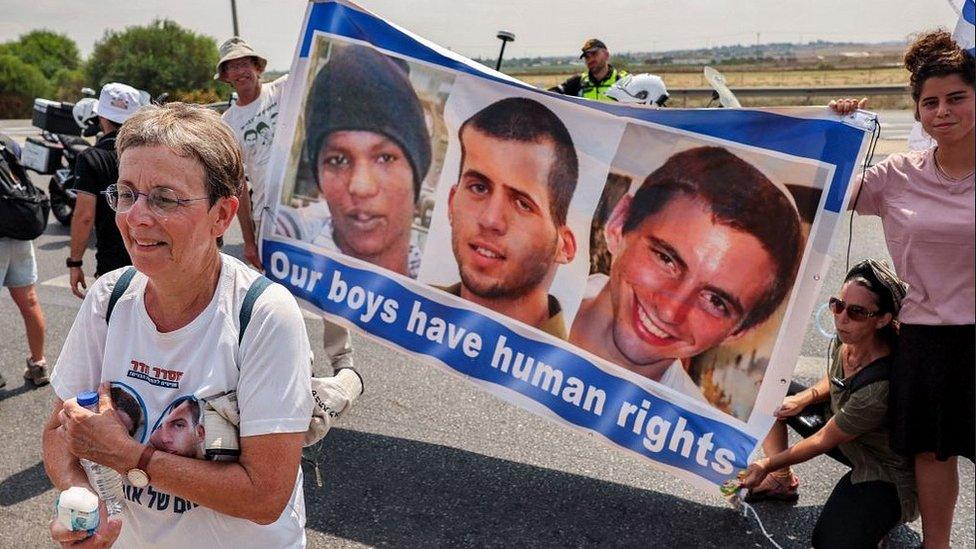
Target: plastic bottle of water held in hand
[106, 481]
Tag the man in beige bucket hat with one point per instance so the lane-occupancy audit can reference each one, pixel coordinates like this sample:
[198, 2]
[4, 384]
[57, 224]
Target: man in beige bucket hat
[241, 67]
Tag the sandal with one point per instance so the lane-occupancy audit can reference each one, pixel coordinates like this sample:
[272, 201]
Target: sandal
[775, 488]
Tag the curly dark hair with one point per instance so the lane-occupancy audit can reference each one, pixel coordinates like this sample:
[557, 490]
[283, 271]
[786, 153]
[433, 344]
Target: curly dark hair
[935, 53]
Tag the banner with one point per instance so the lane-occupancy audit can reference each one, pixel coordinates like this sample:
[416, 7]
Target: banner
[644, 275]
[965, 31]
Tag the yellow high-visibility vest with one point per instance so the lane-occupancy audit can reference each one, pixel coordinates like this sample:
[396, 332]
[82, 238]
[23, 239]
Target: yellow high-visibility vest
[598, 91]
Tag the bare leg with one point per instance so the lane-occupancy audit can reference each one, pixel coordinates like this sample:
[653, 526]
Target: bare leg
[25, 298]
[776, 441]
[938, 487]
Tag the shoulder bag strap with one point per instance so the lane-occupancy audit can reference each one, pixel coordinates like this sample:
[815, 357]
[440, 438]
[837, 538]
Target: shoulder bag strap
[120, 286]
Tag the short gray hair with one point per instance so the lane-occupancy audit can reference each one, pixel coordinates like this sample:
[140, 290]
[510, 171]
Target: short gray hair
[189, 131]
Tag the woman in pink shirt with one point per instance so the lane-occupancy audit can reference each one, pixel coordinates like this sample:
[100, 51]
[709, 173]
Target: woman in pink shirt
[926, 203]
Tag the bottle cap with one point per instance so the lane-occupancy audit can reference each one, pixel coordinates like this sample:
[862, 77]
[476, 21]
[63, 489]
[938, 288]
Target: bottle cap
[87, 398]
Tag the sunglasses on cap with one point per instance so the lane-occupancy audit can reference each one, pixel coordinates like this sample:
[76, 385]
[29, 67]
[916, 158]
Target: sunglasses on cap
[854, 312]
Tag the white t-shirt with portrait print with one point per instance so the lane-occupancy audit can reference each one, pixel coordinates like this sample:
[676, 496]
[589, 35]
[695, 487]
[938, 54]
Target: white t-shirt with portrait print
[199, 359]
[254, 127]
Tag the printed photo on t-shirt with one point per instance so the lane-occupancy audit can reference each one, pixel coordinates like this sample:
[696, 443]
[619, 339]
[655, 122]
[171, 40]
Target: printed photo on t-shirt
[180, 429]
[130, 409]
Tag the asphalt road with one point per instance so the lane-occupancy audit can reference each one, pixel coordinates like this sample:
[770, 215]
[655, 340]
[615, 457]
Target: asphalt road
[427, 460]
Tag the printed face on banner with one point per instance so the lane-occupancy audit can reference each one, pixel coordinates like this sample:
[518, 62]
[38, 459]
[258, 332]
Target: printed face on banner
[370, 134]
[366, 181]
[694, 248]
[681, 282]
[508, 209]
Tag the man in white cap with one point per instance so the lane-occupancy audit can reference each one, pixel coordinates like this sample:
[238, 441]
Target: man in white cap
[95, 169]
[256, 112]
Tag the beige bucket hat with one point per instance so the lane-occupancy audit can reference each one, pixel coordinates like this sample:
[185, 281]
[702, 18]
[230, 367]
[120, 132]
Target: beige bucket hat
[236, 48]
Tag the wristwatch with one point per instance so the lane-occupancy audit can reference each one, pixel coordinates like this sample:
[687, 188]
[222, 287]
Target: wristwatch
[138, 477]
[73, 263]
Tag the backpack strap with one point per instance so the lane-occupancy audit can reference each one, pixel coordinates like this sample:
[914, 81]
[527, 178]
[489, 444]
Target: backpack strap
[880, 370]
[253, 293]
[12, 163]
[120, 286]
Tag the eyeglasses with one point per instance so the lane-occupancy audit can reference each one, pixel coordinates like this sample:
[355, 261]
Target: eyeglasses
[161, 200]
[854, 312]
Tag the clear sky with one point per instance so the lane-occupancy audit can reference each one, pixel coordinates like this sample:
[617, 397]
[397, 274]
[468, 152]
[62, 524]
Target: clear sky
[542, 27]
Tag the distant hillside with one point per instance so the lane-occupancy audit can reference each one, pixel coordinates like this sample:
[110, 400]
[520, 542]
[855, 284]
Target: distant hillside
[819, 54]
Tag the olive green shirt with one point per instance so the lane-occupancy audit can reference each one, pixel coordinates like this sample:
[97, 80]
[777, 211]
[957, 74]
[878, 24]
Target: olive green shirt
[554, 325]
[863, 413]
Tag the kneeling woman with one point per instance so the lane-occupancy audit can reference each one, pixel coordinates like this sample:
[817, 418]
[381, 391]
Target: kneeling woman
[878, 492]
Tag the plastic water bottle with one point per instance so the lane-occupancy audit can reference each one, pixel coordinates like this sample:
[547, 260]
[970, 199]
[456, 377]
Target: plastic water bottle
[106, 481]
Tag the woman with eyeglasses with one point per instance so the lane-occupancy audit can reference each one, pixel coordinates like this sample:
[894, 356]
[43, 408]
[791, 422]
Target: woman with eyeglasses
[927, 205]
[174, 333]
[845, 416]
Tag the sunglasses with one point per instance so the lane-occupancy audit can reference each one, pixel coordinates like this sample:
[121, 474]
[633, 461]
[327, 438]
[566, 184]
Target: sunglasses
[854, 312]
[161, 200]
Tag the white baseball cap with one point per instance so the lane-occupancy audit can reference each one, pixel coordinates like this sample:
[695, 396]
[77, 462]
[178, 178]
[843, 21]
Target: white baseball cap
[118, 102]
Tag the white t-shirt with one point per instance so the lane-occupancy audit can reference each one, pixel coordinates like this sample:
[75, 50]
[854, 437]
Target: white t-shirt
[678, 379]
[313, 223]
[254, 128]
[675, 376]
[270, 371]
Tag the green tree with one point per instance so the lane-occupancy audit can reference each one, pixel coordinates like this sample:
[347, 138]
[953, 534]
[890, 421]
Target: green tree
[67, 84]
[20, 83]
[46, 50]
[160, 57]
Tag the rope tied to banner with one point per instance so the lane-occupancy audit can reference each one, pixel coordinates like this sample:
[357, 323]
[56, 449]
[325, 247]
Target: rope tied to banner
[735, 495]
[875, 137]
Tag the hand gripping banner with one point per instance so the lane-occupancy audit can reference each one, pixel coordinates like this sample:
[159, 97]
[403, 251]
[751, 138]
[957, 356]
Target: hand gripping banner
[644, 275]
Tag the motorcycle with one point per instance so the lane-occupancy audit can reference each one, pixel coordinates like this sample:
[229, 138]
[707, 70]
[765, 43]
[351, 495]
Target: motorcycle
[649, 89]
[720, 90]
[64, 127]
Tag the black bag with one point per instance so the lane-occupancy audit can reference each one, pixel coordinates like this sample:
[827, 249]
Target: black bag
[23, 207]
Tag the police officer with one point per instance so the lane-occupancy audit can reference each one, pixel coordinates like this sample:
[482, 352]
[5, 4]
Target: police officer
[599, 76]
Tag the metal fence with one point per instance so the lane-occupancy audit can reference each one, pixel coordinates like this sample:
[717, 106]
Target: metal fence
[804, 91]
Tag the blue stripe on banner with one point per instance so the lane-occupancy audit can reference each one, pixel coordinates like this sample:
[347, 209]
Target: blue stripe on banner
[483, 348]
[969, 11]
[772, 131]
[335, 18]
